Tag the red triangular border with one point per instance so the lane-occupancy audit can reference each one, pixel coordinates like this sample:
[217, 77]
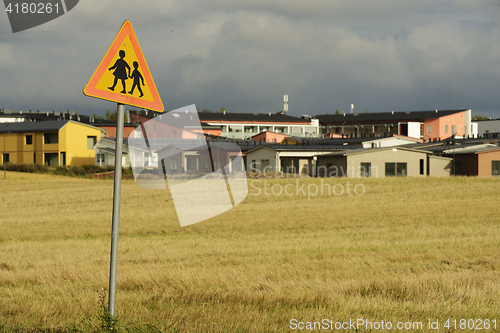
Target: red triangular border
[90, 88]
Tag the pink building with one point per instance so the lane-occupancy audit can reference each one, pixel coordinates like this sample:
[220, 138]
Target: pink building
[427, 125]
[269, 137]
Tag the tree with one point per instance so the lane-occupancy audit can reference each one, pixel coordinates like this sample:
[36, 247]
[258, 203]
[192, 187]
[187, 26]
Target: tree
[111, 115]
[114, 116]
[366, 111]
[207, 110]
[222, 110]
[480, 118]
[197, 109]
[337, 112]
[95, 116]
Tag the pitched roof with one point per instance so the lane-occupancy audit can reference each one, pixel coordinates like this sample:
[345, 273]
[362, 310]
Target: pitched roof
[385, 116]
[471, 150]
[33, 126]
[40, 126]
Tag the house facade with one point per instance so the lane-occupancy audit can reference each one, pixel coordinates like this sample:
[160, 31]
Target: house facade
[55, 143]
[427, 125]
[382, 162]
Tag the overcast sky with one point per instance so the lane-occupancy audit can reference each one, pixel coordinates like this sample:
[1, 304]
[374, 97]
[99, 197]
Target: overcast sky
[245, 55]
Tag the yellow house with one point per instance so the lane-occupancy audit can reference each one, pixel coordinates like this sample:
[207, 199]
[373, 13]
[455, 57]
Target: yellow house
[61, 142]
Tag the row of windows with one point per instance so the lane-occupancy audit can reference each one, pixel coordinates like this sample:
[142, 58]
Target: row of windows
[264, 165]
[453, 129]
[50, 158]
[49, 138]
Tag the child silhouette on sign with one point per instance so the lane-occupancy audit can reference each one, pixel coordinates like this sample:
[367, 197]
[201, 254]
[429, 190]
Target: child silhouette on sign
[120, 72]
[137, 76]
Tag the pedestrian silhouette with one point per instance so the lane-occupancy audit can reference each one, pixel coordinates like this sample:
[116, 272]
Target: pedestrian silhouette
[137, 76]
[120, 72]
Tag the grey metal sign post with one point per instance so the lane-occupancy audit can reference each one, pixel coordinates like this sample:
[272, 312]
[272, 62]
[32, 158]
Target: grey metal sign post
[116, 210]
[3, 159]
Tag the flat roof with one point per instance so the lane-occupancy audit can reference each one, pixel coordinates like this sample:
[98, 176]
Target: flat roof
[385, 116]
[368, 150]
[249, 117]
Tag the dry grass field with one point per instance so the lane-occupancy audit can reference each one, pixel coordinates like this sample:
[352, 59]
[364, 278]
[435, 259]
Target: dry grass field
[408, 250]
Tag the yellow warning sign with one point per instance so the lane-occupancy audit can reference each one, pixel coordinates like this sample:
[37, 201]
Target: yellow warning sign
[123, 75]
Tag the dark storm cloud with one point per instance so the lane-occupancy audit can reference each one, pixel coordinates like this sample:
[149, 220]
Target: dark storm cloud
[381, 56]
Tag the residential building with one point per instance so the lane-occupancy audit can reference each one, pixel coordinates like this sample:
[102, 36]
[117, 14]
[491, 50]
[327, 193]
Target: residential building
[246, 125]
[105, 151]
[60, 142]
[382, 162]
[481, 161]
[287, 158]
[427, 125]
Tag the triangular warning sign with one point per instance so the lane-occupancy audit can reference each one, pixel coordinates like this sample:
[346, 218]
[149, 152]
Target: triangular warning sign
[123, 75]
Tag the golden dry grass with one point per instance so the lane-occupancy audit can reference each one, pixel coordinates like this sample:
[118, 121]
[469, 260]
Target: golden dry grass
[409, 249]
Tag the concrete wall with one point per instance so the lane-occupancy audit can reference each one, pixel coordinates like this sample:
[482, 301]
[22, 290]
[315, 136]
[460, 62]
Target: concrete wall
[332, 166]
[261, 154]
[491, 126]
[378, 158]
[440, 166]
[350, 165]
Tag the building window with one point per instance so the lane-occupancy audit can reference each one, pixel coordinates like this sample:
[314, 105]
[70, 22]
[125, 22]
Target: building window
[192, 163]
[396, 169]
[6, 158]
[253, 166]
[402, 169]
[453, 129]
[29, 139]
[264, 165]
[446, 128]
[99, 158]
[63, 158]
[495, 168]
[91, 141]
[366, 170]
[421, 166]
[173, 164]
[49, 138]
[216, 164]
[428, 128]
[390, 169]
